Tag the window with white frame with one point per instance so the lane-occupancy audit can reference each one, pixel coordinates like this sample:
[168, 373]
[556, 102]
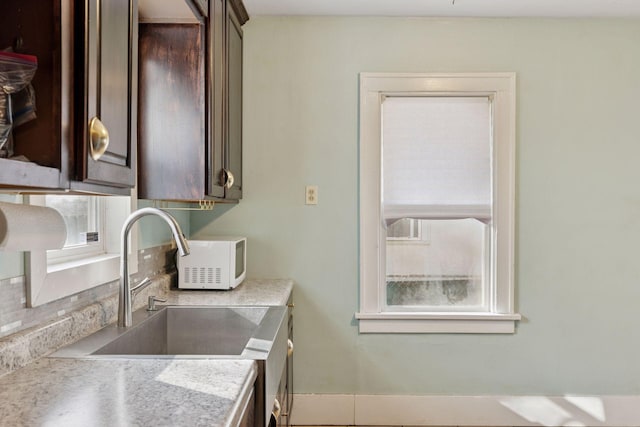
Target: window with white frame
[437, 202]
[91, 254]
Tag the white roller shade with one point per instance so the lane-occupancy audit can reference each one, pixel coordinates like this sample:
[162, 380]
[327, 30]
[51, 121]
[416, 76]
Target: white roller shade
[436, 157]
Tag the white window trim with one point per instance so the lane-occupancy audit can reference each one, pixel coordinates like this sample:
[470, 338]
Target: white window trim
[501, 317]
[48, 282]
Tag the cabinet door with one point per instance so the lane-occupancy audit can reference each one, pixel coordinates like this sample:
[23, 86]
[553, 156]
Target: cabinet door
[215, 176]
[172, 114]
[41, 29]
[233, 154]
[106, 59]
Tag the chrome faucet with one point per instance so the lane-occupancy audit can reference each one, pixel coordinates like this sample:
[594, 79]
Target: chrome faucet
[126, 293]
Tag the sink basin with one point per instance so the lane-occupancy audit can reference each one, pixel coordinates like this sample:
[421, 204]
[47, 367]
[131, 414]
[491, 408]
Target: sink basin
[188, 330]
[212, 331]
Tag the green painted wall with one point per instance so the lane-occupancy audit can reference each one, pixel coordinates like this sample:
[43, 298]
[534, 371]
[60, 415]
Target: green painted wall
[578, 199]
[153, 231]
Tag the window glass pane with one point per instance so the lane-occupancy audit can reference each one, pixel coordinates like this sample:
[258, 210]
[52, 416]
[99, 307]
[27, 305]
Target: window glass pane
[448, 273]
[80, 216]
[436, 176]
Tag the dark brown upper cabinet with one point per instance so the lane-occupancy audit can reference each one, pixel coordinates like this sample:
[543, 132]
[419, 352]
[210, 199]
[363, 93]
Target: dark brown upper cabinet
[106, 60]
[231, 175]
[86, 61]
[190, 94]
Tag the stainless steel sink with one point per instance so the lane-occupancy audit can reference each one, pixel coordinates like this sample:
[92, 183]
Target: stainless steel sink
[242, 332]
[223, 332]
[180, 330]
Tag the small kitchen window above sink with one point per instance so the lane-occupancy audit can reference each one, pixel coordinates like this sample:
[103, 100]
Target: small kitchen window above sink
[52, 275]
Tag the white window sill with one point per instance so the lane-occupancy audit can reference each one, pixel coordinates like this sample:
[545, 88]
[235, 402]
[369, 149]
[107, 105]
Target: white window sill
[81, 262]
[49, 283]
[457, 323]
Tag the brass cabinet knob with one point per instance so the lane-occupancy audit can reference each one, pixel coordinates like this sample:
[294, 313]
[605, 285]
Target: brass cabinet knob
[227, 178]
[289, 348]
[98, 138]
[230, 179]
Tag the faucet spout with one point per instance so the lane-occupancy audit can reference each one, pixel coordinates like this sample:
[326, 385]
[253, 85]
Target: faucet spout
[125, 294]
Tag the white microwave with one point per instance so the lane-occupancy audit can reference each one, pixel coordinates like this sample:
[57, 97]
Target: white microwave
[219, 263]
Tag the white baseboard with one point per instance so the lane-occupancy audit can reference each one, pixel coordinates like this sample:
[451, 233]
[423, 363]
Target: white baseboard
[372, 410]
[323, 409]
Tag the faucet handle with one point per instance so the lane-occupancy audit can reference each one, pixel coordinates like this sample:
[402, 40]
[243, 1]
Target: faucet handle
[152, 303]
[140, 286]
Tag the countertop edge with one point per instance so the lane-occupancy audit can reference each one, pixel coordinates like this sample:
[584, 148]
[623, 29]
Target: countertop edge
[236, 413]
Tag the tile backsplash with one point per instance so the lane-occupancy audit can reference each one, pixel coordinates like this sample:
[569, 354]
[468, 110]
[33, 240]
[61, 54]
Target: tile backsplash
[15, 316]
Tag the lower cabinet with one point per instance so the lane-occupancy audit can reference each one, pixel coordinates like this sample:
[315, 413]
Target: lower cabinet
[281, 413]
[288, 392]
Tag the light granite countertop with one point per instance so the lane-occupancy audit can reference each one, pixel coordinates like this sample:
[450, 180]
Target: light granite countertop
[20, 349]
[249, 292]
[141, 392]
[36, 390]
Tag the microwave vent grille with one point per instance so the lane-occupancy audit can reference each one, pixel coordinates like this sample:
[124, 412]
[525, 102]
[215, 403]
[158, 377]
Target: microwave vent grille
[202, 275]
